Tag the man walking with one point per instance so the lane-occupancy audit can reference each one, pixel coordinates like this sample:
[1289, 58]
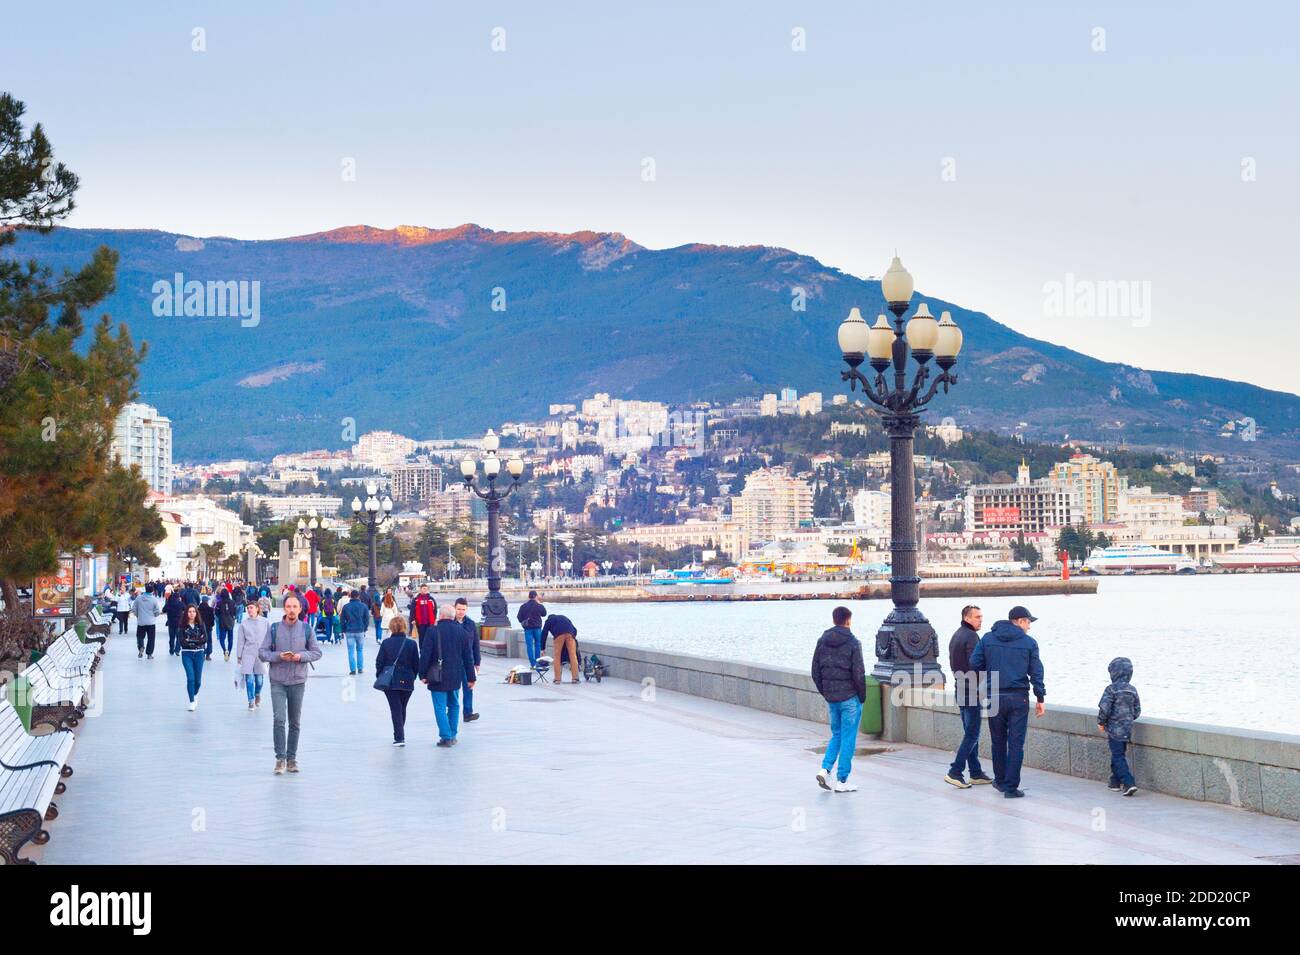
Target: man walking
[423, 611]
[146, 609]
[476, 651]
[965, 683]
[530, 618]
[445, 664]
[290, 647]
[841, 679]
[355, 620]
[1010, 656]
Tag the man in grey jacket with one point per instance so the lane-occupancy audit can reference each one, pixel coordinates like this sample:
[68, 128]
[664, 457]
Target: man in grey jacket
[290, 647]
[147, 607]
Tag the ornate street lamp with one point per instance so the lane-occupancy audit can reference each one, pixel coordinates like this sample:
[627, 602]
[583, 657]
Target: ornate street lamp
[536, 568]
[606, 564]
[566, 565]
[495, 609]
[628, 565]
[905, 641]
[308, 530]
[372, 514]
[453, 568]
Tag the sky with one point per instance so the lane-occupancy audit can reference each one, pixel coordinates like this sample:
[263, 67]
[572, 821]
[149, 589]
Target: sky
[1120, 178]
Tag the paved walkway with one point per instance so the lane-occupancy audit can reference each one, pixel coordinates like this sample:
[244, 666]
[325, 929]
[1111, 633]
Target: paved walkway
[589, 773]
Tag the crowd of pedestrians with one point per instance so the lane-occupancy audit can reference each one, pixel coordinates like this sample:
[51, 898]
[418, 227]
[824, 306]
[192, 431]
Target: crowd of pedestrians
[419, 643]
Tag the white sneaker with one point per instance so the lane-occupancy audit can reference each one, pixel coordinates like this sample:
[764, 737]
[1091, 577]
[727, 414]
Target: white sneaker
[845, 787]
[194, 705]
[824, 779]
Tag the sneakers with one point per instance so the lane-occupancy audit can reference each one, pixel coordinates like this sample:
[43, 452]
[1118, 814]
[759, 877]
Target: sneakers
[957, 781]
[292, 766]
[399, 742]
[257, 700]
[250, 704]
[444, 742]
[352, 673]
[227, 656]
[980, 780]
[279, 767]
[824, 779]
[1115, 787]
[844, 786]
[1130, 790]
[1013, 793]
[139, 653]
[194, 705]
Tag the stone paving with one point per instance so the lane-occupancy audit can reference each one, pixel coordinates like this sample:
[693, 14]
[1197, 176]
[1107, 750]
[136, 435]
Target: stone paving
[588, 773]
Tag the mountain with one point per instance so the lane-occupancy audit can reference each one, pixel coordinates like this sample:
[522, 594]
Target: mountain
[397, 329]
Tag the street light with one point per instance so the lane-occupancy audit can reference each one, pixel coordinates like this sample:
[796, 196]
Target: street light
[607, 564]
[453, 568]
[628, 565]
[308, 530]
[565, 566]
[495, 608]
[372, 514]
[905, 641]
[536, 568]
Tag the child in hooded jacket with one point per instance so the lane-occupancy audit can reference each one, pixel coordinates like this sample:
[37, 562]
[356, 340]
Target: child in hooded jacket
[1118, 709]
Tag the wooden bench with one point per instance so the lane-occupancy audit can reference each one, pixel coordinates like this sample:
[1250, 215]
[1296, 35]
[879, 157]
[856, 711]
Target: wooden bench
[70, 656]
[97, 625]
[32, 773]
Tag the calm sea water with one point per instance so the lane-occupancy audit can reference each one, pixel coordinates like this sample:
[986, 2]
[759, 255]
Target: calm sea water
[1221, 649]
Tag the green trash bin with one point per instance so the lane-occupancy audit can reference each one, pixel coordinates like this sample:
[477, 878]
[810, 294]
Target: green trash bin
[81, 630]
[872, 716]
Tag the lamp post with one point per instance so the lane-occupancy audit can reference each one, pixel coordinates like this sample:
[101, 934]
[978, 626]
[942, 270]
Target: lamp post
[536, 568]
[372, 514]
[495, 609]
[308, 530]
[905, 641]
[628, 565]
[565, 565]
[453, 568]
[607, 564]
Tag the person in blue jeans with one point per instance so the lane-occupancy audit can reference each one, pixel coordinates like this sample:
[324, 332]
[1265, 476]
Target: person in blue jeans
[193, 638]
[965, 682]
[530, 618]
[841, 678]
[445, 663]
[354, 619]
[1009, 655]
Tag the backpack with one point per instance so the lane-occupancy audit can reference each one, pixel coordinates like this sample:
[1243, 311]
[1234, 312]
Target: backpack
[327, 606]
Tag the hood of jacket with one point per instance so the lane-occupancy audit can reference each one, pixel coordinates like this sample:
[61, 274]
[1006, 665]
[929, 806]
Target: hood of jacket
[1006, 631]
[837, 636]
[1121, 670]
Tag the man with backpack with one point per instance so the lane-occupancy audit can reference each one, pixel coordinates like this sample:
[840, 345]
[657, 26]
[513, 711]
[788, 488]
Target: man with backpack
[290, 648]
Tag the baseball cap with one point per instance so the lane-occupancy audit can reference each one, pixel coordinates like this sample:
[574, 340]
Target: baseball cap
[1017, 612]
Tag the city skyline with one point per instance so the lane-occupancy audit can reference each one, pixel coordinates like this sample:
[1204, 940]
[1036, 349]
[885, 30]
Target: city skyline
[770, 129]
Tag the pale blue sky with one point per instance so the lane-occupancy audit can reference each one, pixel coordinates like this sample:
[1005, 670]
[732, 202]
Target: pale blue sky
[1117, 165]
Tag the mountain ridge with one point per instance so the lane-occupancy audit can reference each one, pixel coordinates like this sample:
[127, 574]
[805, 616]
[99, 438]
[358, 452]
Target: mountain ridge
[448, 330]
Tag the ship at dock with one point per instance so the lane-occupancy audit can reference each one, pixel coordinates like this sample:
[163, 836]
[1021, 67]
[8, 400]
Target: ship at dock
[1137, 559]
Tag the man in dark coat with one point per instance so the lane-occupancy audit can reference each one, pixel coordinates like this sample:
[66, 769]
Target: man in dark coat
[965, 683]
[841, 678]
[530, 618]
[471, 634]
[445, 644]
[1009, 655]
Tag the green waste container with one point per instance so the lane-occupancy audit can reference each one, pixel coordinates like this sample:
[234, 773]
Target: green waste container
[81, 630]
[872, 716]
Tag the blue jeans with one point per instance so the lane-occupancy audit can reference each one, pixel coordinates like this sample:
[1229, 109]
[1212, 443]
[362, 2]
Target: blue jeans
[379, 630]
[1007, 726]
[845, 719]
[356, 641]
[227, 637]
[533, 643]
[192, 660]
[446, 710]
[253, 684]
[1119, 771]
[968, 753]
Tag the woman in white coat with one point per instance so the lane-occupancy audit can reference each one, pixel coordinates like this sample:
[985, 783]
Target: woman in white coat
[249, 636]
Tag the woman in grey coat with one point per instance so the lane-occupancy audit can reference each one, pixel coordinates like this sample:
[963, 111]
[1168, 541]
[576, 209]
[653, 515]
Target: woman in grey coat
[248, 640]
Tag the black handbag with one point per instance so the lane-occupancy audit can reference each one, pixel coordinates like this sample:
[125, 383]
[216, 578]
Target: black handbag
[434, 673]
[388, 675]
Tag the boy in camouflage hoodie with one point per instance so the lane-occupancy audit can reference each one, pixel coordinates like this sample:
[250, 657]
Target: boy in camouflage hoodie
[1118, 708]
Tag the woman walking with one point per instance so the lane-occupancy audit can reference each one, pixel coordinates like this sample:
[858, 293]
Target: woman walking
[123, 608]
[208, 617]
[327, 613]
[174, 608]
[252, 631]
[388, 610]
[402, 654]
[193, 637]
[377, 614]
[225, 614]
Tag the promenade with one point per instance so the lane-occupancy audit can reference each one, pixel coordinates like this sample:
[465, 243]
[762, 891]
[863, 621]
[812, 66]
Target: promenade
[577, 774]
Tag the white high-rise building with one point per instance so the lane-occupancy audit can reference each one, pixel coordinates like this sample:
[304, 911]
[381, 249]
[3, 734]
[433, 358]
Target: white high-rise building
[772, 503]
[143, 437]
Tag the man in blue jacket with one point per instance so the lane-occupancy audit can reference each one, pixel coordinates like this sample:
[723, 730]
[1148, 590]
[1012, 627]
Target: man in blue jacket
[1010, 656]
[355, 619]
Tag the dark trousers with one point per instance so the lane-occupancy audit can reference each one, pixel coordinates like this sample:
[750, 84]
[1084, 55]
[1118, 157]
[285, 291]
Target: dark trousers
[968, 751]
[397, 700]
[173, 640]
[467, 696]
[1007, 724]
[122, 616]
[1119, 771]
[144, 637]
